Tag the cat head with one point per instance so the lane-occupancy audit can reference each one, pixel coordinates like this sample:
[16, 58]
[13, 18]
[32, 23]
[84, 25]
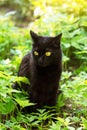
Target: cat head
[46, 50]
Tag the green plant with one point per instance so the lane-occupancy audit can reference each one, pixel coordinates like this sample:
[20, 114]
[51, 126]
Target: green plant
[9, 97]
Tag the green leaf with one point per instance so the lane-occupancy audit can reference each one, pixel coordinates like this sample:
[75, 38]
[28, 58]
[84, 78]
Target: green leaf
[21, 79]
[23, 103]
[7, 106]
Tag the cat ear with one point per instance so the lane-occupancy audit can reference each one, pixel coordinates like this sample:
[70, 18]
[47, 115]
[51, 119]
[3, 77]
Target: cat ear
[34, 36]
[57, 40]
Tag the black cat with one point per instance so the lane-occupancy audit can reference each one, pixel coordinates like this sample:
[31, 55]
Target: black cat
[43, 67]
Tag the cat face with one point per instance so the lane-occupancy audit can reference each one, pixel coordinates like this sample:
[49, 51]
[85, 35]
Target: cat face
[46, 50]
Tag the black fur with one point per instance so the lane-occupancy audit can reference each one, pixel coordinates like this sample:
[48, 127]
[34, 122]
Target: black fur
[43, 71]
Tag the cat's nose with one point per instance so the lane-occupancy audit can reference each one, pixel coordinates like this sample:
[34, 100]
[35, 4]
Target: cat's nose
[40, 61]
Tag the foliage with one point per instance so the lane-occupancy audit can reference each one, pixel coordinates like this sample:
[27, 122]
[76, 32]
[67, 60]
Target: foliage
[7, 100]
[48, 18]
[15, 42]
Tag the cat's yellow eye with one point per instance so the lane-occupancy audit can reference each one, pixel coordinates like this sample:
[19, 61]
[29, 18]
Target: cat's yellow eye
[36, 53]
[48, 53]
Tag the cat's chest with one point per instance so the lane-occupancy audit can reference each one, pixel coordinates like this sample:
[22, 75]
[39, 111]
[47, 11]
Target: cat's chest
[41, 78]
[44, 80]
[44, 75]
